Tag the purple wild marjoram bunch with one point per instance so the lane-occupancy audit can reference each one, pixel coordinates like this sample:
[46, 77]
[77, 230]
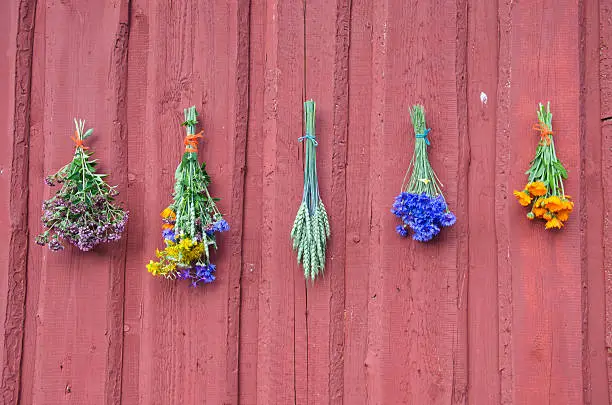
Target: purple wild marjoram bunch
[82, 211]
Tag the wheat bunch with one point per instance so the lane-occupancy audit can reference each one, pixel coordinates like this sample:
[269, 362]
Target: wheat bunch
[311, 226]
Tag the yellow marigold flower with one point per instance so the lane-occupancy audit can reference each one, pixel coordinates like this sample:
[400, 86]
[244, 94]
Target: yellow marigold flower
[554, 223]
[554, 204]
[563, 215]
[168, 213]
[538, 212]
[537, 188]
[547, 216]
[523, 198]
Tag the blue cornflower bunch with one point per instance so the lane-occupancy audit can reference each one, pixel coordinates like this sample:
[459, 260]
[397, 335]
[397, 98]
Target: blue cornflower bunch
[421, 205]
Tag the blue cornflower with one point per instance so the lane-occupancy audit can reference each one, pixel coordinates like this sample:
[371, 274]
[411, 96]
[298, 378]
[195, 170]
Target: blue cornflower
[401, 230]
[168, 234]
[425, 215]
[221, 226]
[184, 274]
[448, 219]
[205, 273]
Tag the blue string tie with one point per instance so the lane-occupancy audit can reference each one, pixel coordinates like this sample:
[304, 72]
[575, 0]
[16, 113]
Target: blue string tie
[309, 136]
[424, 136]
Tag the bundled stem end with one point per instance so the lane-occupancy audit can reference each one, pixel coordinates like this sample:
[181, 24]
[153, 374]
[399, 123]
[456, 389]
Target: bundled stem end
[311, 226]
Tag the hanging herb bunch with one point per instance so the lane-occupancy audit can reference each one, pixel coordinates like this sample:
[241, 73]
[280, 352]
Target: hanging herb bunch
[190, 223]
[82, 212]
[311, 226]
[421, 205]
[544, 190]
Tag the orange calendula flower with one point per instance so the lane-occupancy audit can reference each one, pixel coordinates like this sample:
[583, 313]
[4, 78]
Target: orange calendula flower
[568, 205]
[547, 216]
[554, 204]
[554, 223]
[168, 213]
[563, 215]
[538, 212]
[537, 188]
[167, 226]
[523, 198]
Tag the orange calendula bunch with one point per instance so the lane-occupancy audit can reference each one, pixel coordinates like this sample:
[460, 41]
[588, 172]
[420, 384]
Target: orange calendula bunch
[544, 190]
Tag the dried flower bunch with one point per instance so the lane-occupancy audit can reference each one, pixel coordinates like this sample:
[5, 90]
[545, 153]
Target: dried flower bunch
[421, 205]
[191, 221]
[544, 190]
[311, 226]
[82, 211]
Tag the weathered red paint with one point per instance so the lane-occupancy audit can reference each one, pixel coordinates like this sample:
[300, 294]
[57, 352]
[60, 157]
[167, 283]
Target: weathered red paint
[495, 311]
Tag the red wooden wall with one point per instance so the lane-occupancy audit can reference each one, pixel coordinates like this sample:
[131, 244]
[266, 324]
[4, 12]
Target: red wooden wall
[497, 311]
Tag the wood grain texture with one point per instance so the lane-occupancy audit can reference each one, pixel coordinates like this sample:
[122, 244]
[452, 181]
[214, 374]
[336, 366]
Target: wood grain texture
[81, 340]
[605, 82]
[496, 311]
[481, 102]
[546, 274]
[183, 342]
[326, 81]
[413, 287]
[593, 201]
[282, 341]
[19, 23]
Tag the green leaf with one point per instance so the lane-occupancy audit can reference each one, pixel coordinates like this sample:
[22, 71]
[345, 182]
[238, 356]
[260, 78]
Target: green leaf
[87, 133]
[560, 169]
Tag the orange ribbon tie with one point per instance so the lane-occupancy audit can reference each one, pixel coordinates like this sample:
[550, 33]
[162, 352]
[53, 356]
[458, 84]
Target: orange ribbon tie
[545, 133]
[78, 141]
[191, 142]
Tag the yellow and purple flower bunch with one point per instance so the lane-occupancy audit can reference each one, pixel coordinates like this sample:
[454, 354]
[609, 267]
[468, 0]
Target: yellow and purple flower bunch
[191, 222]
[421, 205]
[544, 190]
[82, 212]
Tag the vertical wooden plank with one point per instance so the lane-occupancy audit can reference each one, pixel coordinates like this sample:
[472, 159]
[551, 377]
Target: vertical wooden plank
[77, 335]
[253, 216]
[8, 45]
[605, 83]
[358, 204]
[326, 70]
[482, 59]
[413, 287]
[460, 354]
[546, 275]
[282, 376]
[503, 191]
[36, 195]
[16, 48]
[182, 340]
[595, 381]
